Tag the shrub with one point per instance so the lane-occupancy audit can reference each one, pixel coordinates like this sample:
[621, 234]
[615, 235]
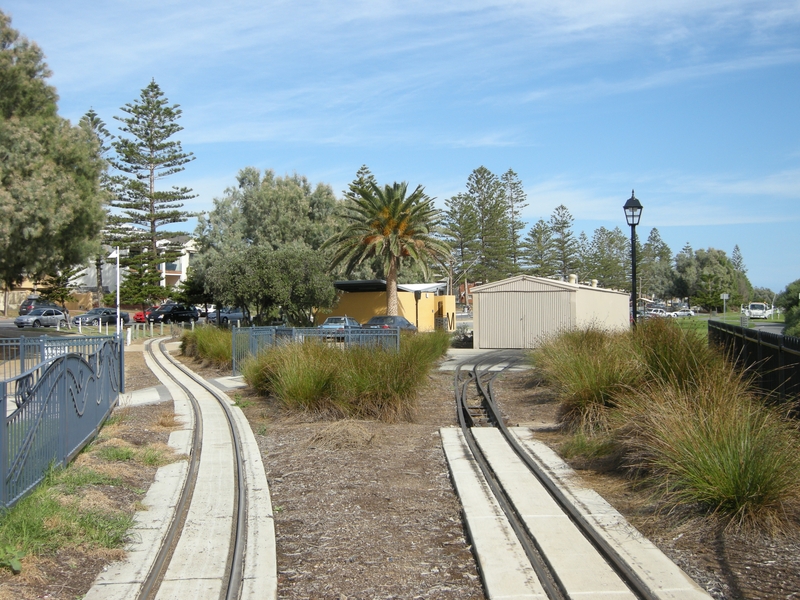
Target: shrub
[714, 445]
[209, 343]
[350, 382]
[589, 368]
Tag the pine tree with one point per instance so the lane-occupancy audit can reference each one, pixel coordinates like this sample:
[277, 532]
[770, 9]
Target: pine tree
[539, 252]
[737, 260]
[565, 246]
[516, 199]
[148, 155]
[486, 194]
[96, 127]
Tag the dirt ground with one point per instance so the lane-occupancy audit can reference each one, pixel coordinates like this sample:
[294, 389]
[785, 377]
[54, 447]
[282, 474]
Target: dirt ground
[366, 510]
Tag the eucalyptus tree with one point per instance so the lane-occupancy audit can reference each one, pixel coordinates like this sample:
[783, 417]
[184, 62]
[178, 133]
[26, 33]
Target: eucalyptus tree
[387, 223]
[50, 194]
[565, 246]
[516, 202]
[146, 155]
[538, 250]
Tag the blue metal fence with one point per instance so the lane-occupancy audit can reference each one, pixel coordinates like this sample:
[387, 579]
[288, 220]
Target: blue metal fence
[775, 358]
[60, 404]
[249, 341]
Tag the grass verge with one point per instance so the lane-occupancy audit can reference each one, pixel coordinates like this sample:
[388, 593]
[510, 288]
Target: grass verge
[209, 343]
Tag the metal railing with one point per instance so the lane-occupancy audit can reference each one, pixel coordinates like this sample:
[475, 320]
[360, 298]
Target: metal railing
[18, 355]
[249, 341]
[773, 357]
[60, 404]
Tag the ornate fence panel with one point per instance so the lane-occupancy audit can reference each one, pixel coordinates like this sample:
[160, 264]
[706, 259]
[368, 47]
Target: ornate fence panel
[774, 358]
[60, 405]
[249, 341]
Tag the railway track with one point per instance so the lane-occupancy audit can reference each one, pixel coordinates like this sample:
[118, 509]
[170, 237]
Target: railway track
[546, 540]
[208, 534]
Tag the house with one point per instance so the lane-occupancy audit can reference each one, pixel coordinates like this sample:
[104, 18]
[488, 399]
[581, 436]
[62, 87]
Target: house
[521, 311]
[424, 304]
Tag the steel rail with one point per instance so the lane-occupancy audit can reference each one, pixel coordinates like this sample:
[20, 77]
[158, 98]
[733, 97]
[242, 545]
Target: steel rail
[638, 586]
[239, 530]
[529, 546]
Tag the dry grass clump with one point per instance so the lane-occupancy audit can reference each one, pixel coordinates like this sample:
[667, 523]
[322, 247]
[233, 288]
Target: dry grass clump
[342, 434]
[687, 422]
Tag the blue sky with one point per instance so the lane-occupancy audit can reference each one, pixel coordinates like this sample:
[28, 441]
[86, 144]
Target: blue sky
[693, 104]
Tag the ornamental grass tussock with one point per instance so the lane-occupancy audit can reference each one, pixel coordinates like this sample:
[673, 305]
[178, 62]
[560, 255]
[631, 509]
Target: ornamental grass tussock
[686, 421]
[347, 382]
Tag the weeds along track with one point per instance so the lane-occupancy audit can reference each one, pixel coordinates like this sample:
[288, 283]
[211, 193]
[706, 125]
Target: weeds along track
[569, 556]
[220, 541]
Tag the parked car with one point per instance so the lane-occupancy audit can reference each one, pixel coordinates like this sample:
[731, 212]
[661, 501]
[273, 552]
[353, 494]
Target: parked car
[227, 315]
[101, 316]
[32, 302]
[387, 322]
[173, 313]
[656, 312]
[338, 325]
[683, 312]
[141, 316]
[42, 317]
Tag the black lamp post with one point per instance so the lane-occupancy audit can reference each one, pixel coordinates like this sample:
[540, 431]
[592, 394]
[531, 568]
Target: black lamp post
[633, 212]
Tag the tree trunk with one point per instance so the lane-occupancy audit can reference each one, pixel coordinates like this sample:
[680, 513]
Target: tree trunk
[99, 266]
[391, 289]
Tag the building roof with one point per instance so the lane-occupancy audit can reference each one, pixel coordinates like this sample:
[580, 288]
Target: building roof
[379, 285]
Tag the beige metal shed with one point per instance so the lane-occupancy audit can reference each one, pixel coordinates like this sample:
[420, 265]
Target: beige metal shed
[519, 311]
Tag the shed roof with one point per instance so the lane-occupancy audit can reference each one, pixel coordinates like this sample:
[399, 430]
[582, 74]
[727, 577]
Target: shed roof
[529, 283]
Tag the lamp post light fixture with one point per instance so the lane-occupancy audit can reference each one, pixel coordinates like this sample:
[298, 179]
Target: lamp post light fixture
[633, 212]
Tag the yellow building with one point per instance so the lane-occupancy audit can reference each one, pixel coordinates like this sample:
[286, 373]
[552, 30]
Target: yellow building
[424, 304]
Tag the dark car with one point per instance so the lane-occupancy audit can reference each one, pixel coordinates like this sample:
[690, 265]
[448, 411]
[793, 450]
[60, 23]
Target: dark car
[387, 322]
[101, 316]
[173, 313]
[32, 302]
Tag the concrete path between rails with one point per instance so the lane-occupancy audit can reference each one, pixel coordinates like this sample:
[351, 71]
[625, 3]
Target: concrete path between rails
[503, 564]
[198, 564]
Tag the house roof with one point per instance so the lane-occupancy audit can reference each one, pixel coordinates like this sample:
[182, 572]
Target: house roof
[379, 285]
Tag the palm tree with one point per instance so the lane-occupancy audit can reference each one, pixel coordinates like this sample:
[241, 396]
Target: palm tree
[383, 222]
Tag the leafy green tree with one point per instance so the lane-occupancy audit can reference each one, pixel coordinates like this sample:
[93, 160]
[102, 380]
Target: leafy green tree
[789, 301]
[386, 222]
[707, 275]
[516, 201]
[148, 155]
[686, 274]
[539, 251]
[565, 246]
[486, 194]
[49, 171]
[763, 294]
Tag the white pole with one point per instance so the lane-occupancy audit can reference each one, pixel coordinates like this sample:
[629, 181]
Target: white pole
[118, 315]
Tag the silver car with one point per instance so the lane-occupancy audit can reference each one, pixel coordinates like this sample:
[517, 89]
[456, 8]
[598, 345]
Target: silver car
[42, 317]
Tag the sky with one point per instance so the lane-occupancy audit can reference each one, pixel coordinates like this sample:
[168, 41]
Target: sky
[695, 105]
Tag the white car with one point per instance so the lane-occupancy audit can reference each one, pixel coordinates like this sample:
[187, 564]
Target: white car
[656, 312]
[683, 312]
